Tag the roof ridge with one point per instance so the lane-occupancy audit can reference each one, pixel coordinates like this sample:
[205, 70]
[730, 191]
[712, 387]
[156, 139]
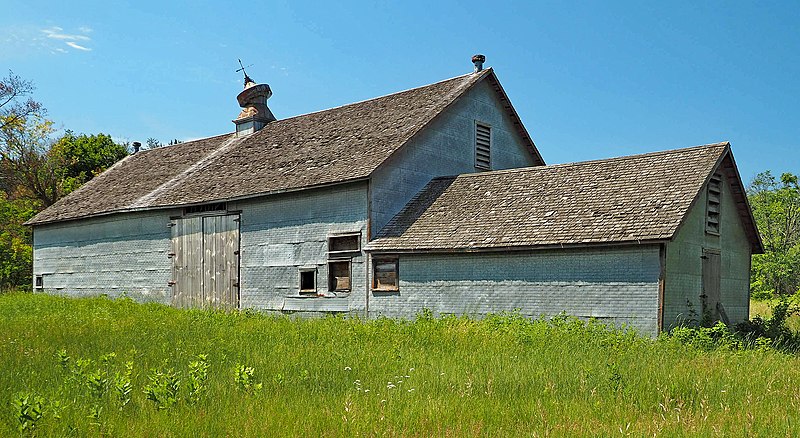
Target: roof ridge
[601, 160]
[146, 199]
[482, 73]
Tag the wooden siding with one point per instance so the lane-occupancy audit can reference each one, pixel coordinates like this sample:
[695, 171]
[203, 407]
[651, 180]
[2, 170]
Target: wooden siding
[205, 254]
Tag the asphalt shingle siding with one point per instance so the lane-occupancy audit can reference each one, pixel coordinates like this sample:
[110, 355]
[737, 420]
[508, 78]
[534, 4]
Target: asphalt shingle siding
[281, 233]
[615, 285]
[113, 255]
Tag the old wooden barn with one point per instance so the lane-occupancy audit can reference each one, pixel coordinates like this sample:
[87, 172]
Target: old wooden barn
[434, 197]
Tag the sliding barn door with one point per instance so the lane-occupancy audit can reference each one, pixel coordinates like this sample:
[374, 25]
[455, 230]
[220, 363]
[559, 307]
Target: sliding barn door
[205, 261]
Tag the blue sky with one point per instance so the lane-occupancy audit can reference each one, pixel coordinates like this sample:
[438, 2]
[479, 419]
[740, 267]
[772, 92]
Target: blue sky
[590, 80]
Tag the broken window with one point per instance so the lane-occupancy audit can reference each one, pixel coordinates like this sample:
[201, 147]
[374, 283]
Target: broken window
[713, 198]
[385, 274]
[308, 281]
[339, 275]
[483, 143]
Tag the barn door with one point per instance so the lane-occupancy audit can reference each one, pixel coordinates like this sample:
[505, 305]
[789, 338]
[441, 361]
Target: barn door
[711, 284]
[205, 261]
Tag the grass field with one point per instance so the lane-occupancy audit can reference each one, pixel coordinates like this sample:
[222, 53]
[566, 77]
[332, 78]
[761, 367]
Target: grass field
[64, 369]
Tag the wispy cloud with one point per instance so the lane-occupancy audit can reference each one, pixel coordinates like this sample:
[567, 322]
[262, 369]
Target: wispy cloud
[70, 39]
[77, 46]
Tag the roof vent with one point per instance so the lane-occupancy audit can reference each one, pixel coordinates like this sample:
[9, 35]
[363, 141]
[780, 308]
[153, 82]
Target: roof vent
[136, 146]
[478, 60]
[255, 114]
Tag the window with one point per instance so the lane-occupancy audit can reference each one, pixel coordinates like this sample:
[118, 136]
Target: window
[483, 143]
[205, 208]
[344, 244]
[339, 276]
[714, 196]
[308, 281]
[385, 275]
[39, 282]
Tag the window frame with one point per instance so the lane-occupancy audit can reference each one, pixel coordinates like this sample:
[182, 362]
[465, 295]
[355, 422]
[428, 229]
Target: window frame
[345, 252]
[479, 164]
[385, 260]
[332, 278]
[307, 270]
[38, 281]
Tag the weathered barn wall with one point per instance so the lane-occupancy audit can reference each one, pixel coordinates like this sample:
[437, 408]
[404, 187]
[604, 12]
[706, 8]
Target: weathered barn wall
[114, 255]
[446, 147]
[683, 283]
[282, 233]
[614, 284]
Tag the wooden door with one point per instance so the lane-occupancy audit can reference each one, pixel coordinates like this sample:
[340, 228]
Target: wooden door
[711, 284]
[205, 267]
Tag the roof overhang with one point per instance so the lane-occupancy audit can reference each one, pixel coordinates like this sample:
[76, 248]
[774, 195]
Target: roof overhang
[519, 248]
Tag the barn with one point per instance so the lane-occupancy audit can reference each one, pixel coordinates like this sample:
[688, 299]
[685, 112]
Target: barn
[434, 197]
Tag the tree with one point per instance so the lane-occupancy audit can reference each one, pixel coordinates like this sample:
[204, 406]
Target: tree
[15, 101]
[82, 157]
[776, 208]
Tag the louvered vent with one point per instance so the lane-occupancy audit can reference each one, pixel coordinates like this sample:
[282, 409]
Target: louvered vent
[713, 204]
[483, 143]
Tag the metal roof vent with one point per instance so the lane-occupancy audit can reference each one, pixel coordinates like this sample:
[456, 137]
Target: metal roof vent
[478, 60]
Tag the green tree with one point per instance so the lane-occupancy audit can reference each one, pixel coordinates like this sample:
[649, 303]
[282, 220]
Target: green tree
[776, 208]
[16, 255]
[82, 157]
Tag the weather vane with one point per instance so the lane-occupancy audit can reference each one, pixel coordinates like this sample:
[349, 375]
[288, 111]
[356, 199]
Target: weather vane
[242, 69]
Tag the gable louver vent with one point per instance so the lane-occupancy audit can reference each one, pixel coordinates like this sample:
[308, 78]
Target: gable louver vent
[483, 142]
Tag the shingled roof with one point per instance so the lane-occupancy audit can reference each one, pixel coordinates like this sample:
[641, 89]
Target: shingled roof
[337, 145]
[635, 199]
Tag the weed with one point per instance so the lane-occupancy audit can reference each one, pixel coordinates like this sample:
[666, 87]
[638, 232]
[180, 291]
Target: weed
[198, 374]
[28, 410]
[122, 385]
[162, 388]
[245, 380]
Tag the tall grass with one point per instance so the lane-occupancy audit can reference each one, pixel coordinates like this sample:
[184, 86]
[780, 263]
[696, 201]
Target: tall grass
[283, 376]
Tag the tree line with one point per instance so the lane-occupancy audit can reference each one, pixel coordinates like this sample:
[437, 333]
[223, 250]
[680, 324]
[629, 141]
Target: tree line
[37, 169]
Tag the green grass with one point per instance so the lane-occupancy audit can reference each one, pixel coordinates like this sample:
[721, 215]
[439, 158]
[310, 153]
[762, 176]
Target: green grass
[502, 376]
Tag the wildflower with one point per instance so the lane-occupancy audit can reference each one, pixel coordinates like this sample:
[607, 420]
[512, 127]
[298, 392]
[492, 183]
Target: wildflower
[410, 370]
[366, 390]
[347, 368]
[411, 389]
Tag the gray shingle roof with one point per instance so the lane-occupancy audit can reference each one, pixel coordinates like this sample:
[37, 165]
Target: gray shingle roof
[331, 146]
[628, 199]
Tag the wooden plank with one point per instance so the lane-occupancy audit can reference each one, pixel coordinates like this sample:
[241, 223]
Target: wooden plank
[232, 260]
[177, 258]
[195, 265]
[210, 298]
[711, 283]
